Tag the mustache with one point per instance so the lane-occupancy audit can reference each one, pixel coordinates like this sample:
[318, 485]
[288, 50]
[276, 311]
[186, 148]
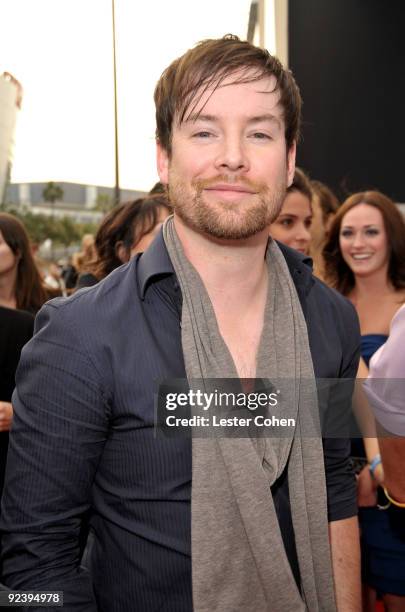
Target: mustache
[201, 184]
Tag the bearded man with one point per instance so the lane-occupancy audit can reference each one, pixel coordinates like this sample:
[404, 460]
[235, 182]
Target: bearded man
[269, 524]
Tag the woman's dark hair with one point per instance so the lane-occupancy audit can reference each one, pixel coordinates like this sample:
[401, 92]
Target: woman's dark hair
[125, 224]
[337, 272]
[29, 292]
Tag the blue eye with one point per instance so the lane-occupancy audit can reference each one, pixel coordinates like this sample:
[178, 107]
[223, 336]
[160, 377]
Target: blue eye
[372, 232]
[202, 134]
[261, 136]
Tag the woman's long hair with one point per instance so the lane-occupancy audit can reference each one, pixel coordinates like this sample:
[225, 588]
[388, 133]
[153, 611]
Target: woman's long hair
[29, 291]
[337, 272]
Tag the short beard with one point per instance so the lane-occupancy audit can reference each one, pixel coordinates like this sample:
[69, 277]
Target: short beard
[226, 220]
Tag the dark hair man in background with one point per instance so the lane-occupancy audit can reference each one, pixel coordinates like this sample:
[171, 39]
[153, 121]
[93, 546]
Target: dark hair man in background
[271, 524]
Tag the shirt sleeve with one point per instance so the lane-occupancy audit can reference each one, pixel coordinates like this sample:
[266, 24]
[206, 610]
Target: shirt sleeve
[58, 434]
[385, 386]
[340, 478]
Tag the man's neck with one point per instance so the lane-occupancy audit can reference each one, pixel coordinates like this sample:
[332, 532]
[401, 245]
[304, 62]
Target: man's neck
[227, 267]
[235, 276]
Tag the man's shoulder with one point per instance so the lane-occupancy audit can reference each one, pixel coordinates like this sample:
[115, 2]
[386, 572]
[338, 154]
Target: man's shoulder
[103, 298]
[336, 300]
[318, 294]
[91, 313]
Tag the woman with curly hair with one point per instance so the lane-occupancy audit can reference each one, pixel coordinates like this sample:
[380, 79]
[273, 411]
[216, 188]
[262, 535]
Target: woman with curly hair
[127, 229]
[365, 260]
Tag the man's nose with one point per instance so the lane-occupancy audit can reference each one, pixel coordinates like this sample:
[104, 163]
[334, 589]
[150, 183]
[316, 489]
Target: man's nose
[232, 154]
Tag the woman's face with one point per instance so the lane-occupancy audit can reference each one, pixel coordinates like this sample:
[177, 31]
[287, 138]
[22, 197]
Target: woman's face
[363, 240]
[8, 260]
[292, 225]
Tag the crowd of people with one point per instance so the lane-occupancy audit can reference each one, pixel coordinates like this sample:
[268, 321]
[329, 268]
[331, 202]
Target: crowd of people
[96, 351]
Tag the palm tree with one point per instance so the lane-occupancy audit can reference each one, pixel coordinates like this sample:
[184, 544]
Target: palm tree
[52, 193]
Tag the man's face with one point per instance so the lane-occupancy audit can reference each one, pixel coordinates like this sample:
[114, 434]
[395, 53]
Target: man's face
[229, 167]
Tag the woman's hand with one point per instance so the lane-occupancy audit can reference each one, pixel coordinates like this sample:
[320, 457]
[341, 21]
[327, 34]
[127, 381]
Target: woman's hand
[366, 489]
[6, 416]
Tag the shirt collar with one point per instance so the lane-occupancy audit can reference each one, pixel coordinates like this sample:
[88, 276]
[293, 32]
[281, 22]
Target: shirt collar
[155, 263]
[300, 267]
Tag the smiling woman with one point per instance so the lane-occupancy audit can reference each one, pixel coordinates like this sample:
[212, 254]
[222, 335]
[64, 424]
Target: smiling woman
[367, 226]
[365, 260]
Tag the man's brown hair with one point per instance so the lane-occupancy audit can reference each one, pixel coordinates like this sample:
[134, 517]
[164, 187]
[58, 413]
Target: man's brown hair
[205, 67]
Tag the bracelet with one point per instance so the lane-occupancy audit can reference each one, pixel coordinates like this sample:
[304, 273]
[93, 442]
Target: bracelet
[393, 501]
[372, 466]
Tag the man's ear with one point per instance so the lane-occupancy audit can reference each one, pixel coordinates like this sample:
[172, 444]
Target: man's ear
[162, 161]
[291, 163]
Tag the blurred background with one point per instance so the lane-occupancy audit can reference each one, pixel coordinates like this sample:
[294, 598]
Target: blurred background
[77, 128]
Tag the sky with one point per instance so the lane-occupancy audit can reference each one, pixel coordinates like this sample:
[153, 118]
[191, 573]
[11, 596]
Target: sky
[61, 52]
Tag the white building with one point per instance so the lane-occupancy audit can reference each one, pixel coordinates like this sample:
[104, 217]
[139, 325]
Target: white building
[10, 102]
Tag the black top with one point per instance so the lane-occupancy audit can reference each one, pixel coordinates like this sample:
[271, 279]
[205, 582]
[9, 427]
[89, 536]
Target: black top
[83, 439]
[16, 328]
[87, 279]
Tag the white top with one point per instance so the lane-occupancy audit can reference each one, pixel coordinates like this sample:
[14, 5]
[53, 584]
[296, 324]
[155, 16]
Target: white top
[385, 386]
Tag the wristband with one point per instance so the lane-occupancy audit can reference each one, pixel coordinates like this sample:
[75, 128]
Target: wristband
[372, 466]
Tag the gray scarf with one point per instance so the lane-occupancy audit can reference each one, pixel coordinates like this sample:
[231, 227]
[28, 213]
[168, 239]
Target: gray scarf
[239, 561]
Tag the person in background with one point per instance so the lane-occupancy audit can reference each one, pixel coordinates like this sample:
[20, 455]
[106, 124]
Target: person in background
[54, 281]
[21, 286]
[292, 226]
[324, 207]
[385, 390]
[16, 328]
[69, 274]
[21, 289]
[84, 258]
[127, 229]
[365, 261]
[157, 188]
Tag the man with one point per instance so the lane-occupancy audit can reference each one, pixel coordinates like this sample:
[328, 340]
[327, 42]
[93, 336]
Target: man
[204, 301]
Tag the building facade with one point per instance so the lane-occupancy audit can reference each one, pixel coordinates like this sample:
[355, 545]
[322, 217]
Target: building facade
[82, 203]
[10, 103]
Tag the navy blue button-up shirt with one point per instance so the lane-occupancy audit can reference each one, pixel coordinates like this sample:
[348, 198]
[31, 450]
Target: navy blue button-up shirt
[83, 448]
